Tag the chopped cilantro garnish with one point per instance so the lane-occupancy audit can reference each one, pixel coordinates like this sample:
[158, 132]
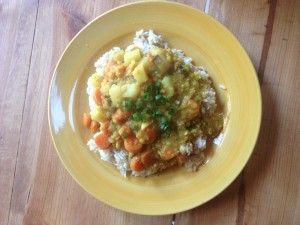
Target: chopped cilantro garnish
[127, 104]
[138, 104]
[151, 105]
[164, 124]
[160, 99]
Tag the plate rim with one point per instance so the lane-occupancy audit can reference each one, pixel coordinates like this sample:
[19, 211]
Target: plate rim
[255, 135]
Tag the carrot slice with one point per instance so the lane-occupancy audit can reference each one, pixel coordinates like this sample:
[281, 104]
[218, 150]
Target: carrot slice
[148, 158]
[167, 154]
[105, 126]
[86, 120]
[120, 116]
[101, 141]
[97, 96]
[150, 134]
[136, 164]
[193, 109]
[132, 144]
[94, 126]
[125, 131]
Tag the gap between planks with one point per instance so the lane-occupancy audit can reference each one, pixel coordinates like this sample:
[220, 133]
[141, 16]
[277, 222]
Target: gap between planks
[267, 40]
[261, 71]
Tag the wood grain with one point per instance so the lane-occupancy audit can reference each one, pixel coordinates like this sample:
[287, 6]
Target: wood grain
[17, 26]
[36, 189]
[272, 175]
[34, 110]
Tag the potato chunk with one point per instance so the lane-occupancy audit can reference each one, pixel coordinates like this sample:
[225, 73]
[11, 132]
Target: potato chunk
[116, 94]
[148, 64]
[162, 59]
[168, 86]
[131, 90]
[140, 74]
[98, 115]
[133, 55]
[119, 56]
[105, 86]
[95, 80]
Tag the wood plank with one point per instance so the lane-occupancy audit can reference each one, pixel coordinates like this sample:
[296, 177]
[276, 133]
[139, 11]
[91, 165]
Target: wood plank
[272, 175]
[17, 25]
[43, 62]
[266, 193]
[246, 19]
[55, 197]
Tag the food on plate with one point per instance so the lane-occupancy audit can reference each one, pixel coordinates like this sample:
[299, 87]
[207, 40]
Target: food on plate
[151, 108]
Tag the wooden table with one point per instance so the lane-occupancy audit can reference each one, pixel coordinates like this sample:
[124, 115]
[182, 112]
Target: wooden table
[35, 189]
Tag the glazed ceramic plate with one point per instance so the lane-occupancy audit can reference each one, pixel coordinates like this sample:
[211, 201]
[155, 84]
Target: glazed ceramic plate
[210, 44]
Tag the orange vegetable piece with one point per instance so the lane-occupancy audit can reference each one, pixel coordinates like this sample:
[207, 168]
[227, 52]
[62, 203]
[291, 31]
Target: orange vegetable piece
[132, 144]
[105, 126]
[120, 70]
[125, 131]
[120, 116]
[167, 154]
[136, 164]
[97, 96]
[86, 120]
[101, 141]
[150, 134]
[148, 158]
[193, 108]
[94, 126]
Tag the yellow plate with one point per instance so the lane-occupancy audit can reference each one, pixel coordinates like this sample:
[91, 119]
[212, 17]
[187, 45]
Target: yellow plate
[210, 44]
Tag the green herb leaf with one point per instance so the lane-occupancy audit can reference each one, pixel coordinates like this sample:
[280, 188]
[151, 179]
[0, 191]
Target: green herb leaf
[127, 104]
[136, 116]
[164, 124]
[160, 99]
[138, 104]
[157, 114]
[172, 109]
